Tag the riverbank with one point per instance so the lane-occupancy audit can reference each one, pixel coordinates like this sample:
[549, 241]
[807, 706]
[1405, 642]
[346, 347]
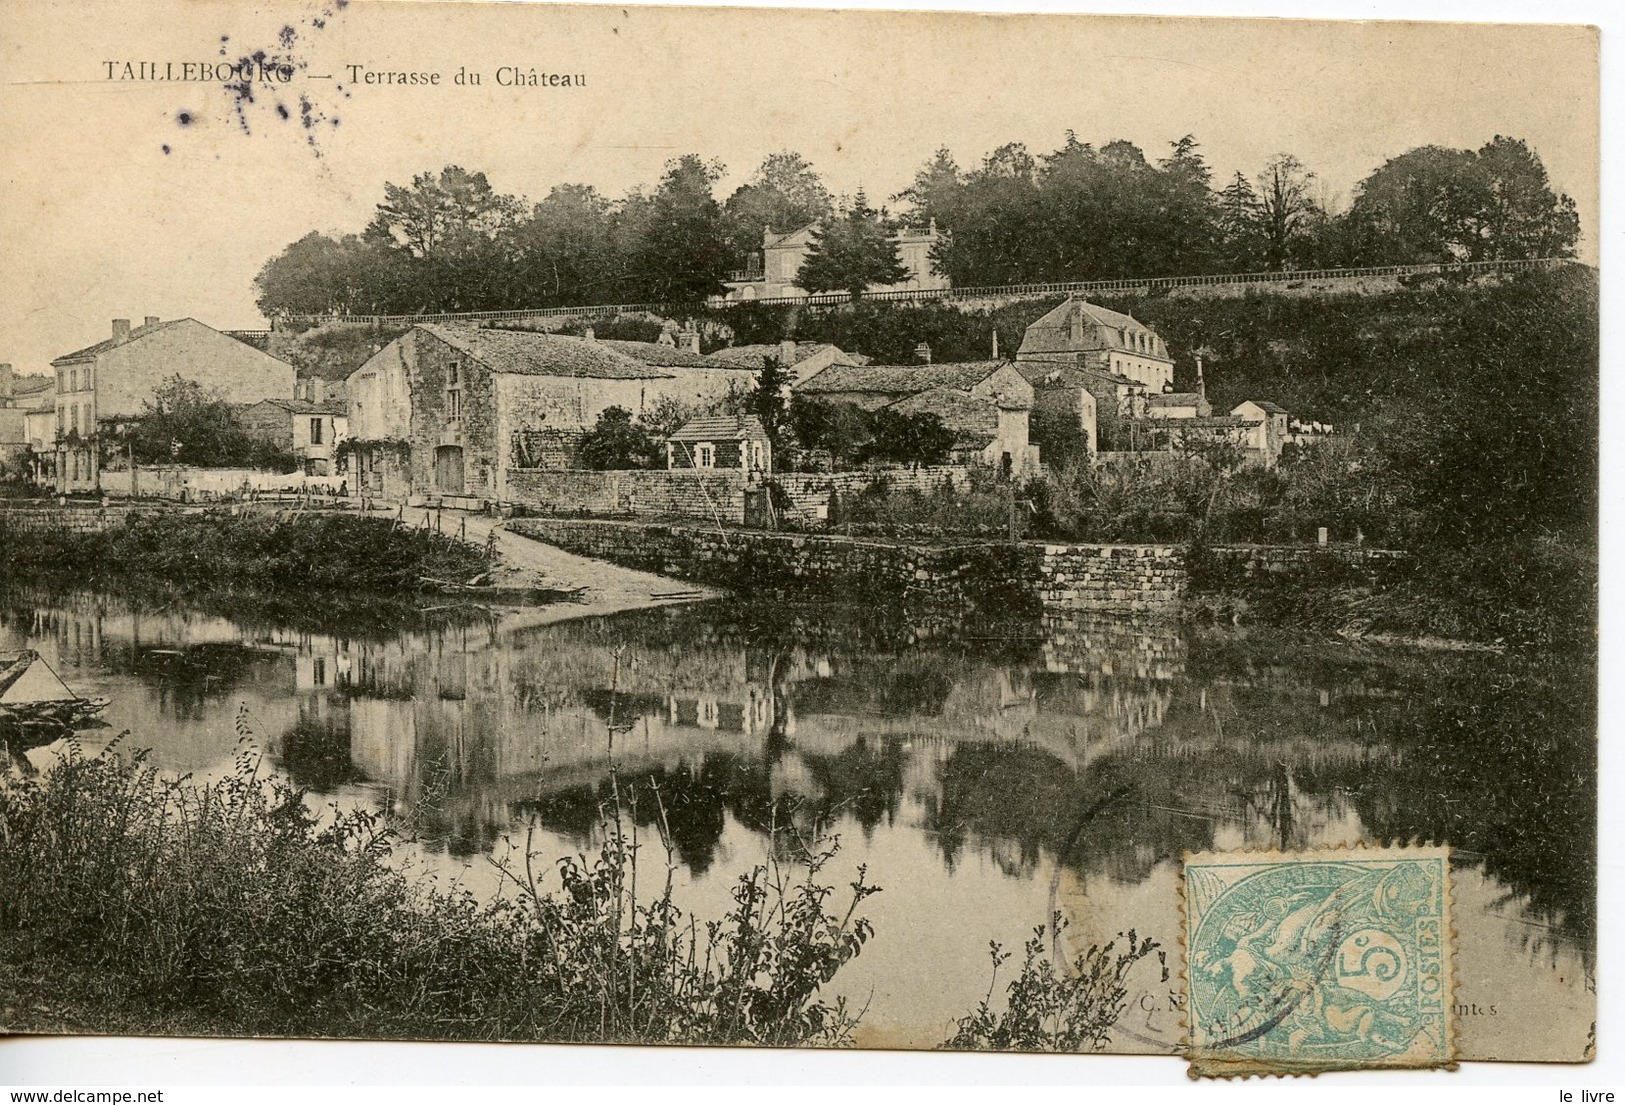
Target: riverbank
[228, 907]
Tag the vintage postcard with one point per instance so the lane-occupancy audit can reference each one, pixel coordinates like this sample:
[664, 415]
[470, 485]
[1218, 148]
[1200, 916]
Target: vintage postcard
[774, 527]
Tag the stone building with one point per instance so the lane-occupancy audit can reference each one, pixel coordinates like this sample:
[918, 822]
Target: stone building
[771, 274]
[986, 404]
[311, 432]
[452, 410]
[1267, 431]
[27, 413]
[111, 380]
[721, 441]
[1080, 333]
[801, 359]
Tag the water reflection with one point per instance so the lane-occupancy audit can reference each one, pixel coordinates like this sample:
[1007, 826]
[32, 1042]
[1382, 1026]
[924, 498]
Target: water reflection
[987, 773]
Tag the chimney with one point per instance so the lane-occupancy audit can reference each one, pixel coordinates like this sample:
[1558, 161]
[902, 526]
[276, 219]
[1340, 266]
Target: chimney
[318, 390]
[995, 345]
[787, 353]
[689, 340]
[1201, 385]
[6, 391]
[589, 335]
[922, 353]
[121, 329]
[152, 320]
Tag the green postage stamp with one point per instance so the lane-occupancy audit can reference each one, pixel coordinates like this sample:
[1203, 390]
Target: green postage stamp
[1328, 959]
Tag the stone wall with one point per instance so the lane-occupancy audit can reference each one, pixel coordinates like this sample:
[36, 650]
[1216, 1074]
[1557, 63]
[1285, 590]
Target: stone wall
[810, 492]
[810, 565]
[1133, 578]
[715, 495]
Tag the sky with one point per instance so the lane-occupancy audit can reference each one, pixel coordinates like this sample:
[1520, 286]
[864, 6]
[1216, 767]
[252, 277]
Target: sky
[124, 198]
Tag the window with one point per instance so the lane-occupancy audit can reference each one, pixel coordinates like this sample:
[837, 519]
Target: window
[705, 456]
[454, 404]
[454, 374]
[315, 431]
[90, 375]
[75, 413]
[73, 379]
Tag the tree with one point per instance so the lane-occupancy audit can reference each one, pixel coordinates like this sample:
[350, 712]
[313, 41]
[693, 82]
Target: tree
[785, 194]
[907, 438]
[683, 253]
[319, 275]
[566, 249]
[1285, 204]
[852, 251]
[769, 398]
[186, 423]
[1242, 244]
[617, 442]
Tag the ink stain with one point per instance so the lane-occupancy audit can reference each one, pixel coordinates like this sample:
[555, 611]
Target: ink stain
[286, 37]
[165, 148]
[282, 111]
[184, 118]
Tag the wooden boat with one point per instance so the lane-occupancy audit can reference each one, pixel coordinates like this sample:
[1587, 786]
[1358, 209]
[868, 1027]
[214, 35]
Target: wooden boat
[33, 696]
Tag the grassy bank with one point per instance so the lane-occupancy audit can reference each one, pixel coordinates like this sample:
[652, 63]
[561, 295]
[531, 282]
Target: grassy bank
[153, 905]
[1534, 595]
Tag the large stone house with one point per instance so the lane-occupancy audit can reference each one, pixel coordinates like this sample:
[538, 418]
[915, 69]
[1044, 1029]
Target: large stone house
[452, 410]
[771, 274]
[111, 380]
[1080, 333]
[986, 404]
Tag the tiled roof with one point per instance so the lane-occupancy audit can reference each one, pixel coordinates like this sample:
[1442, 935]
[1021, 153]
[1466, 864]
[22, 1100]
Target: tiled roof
[970, 419]
[1264, 405]
[752, 356]
[661, 356]
[899, 379]
[1175, 399]
[31, 385]
[516, 352]
[305, 406]
[1053, 333]
[742, 427]
[91, 352]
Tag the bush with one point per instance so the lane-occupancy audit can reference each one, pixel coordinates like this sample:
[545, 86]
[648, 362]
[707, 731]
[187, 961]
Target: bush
[1055, 1009]
[228, 907]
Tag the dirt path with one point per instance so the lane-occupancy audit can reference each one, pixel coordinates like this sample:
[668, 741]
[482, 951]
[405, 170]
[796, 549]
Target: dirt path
[526, 564]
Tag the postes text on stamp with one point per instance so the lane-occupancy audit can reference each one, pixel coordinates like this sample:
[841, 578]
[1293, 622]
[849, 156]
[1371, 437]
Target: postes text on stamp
[1327, 959]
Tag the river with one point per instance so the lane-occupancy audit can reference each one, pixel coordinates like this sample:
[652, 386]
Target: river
[986, 775]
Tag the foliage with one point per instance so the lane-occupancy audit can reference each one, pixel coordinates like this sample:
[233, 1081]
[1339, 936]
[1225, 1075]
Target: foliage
[449, 241]
[852, 251]
[270, 920]
[981, 509]
[784, 194]
[1055, 1009]
[1439, 204]
[854, 436]
[769, 397]
[616, 442]
[216, 551]
[185, 423]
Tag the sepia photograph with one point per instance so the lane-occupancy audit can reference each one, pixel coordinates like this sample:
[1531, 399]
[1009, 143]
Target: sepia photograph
[788, 528]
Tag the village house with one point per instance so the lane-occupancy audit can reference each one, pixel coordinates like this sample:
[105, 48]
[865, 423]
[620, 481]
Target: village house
[771, 274]
[1267, 432]
[986, 404]
[721, 441]
[110, 381]
[451, 410]
[27, 415]
[311, 432]
[799, 359]
[1080, 333]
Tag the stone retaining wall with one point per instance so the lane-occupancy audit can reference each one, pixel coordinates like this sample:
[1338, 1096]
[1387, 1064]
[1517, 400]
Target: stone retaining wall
[716, 495]
[992, 576]
[750, 561]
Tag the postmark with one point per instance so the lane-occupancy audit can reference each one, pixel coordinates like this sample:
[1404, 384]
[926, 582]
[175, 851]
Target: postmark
[1326, 959]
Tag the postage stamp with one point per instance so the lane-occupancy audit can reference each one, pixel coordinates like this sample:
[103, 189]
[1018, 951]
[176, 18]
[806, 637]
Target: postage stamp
[1327, 959]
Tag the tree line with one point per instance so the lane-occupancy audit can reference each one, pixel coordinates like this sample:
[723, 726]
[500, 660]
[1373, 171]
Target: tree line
[449, 241]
